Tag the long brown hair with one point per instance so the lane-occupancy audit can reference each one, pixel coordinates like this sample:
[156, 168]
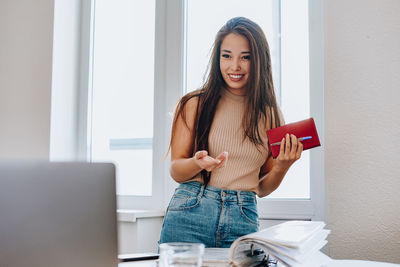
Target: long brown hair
[260, 93]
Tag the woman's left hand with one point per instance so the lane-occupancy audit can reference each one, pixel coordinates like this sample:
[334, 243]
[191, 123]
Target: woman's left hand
[290, 151]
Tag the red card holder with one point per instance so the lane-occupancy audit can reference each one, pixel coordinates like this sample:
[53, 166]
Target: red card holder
[302, 129]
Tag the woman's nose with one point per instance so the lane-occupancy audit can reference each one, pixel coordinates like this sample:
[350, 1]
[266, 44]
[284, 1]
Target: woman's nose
[235, 65]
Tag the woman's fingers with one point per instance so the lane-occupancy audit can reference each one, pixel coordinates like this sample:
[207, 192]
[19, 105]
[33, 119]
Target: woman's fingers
[204, 161]
[209, 163]
[290, 151]
[299, 150]
[200, 154]
[282, 148]
[287, 147]
[223, 157]
[294, 142]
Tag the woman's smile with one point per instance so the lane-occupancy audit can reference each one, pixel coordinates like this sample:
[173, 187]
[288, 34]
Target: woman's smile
[236, 77]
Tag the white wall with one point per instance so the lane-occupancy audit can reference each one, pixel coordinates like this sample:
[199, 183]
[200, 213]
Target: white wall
[65, 80]
[26, 38]
[362, 128]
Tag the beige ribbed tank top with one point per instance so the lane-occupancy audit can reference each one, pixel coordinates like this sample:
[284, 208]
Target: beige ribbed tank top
[241, 171]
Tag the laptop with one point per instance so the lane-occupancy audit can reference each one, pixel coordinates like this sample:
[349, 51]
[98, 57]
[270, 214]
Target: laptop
[57, 214]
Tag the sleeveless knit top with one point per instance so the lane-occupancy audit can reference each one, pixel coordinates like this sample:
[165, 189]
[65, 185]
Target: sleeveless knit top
[242, 169]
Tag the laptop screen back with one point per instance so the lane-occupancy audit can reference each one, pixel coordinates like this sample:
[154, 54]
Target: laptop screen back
[57, 214]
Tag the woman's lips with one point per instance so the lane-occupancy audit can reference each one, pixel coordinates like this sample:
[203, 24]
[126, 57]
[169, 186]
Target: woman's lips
[235, 77]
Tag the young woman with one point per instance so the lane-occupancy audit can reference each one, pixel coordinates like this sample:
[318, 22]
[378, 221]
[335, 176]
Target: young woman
[228, 117]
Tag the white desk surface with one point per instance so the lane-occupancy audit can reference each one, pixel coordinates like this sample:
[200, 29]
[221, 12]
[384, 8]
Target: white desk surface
[333, 263]
[150, 263]
[222, 254]
[359, 263]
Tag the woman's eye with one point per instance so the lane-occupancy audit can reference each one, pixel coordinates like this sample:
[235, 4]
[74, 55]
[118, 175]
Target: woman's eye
[246, 57]
[226, 56]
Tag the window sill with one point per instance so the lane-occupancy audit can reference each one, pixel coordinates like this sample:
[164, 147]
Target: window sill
[126, 215]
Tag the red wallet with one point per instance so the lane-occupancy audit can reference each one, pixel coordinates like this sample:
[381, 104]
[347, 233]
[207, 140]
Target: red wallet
[304, 130]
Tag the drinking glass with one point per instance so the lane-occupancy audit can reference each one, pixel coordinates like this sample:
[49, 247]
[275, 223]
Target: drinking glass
[179, 254]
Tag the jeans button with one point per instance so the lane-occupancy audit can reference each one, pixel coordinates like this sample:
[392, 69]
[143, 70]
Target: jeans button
[223, 194]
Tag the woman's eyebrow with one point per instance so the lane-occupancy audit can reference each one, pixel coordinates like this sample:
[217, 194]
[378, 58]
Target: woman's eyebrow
[228, 51]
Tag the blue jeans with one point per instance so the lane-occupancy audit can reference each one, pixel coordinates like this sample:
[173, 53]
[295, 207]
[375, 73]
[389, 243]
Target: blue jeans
[212, 216]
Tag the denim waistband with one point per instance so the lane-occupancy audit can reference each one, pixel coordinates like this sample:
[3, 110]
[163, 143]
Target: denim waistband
[218, 193]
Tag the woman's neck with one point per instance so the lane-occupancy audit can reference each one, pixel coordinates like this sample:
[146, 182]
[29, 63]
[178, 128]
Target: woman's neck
[239, 92]
[227, 93]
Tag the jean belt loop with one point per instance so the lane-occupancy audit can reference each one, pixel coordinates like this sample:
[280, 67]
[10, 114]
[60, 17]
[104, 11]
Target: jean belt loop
[239, 196]
[222, 194]
[201, 192]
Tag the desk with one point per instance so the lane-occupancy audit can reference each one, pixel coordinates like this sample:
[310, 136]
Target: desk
[333, 263]
[359, 263]
[213, 254]
[150, 263]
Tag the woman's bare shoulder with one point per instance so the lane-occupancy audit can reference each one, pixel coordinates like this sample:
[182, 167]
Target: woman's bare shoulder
[191, 101]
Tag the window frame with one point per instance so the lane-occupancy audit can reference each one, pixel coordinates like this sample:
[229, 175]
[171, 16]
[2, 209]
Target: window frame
[160, 122]
[169, 87]
[313, 208]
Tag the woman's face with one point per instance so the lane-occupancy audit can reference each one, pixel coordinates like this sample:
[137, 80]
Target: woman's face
[235, 62]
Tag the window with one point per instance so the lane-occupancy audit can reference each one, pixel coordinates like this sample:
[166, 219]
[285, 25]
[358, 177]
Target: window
[122, 93]
[143, 55]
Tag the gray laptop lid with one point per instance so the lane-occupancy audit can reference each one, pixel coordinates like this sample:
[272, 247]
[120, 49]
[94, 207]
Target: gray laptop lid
[57, 214]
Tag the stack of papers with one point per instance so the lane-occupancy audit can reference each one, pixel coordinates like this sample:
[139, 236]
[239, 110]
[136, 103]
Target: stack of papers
[293, 243]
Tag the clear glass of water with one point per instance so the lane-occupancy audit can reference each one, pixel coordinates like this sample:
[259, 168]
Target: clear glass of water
[180, 254]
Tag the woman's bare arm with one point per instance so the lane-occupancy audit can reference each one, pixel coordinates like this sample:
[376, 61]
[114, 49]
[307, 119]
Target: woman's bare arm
[184, 166]
[274, 170]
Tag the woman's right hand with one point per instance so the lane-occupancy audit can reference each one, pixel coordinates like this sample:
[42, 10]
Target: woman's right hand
[205, 162]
